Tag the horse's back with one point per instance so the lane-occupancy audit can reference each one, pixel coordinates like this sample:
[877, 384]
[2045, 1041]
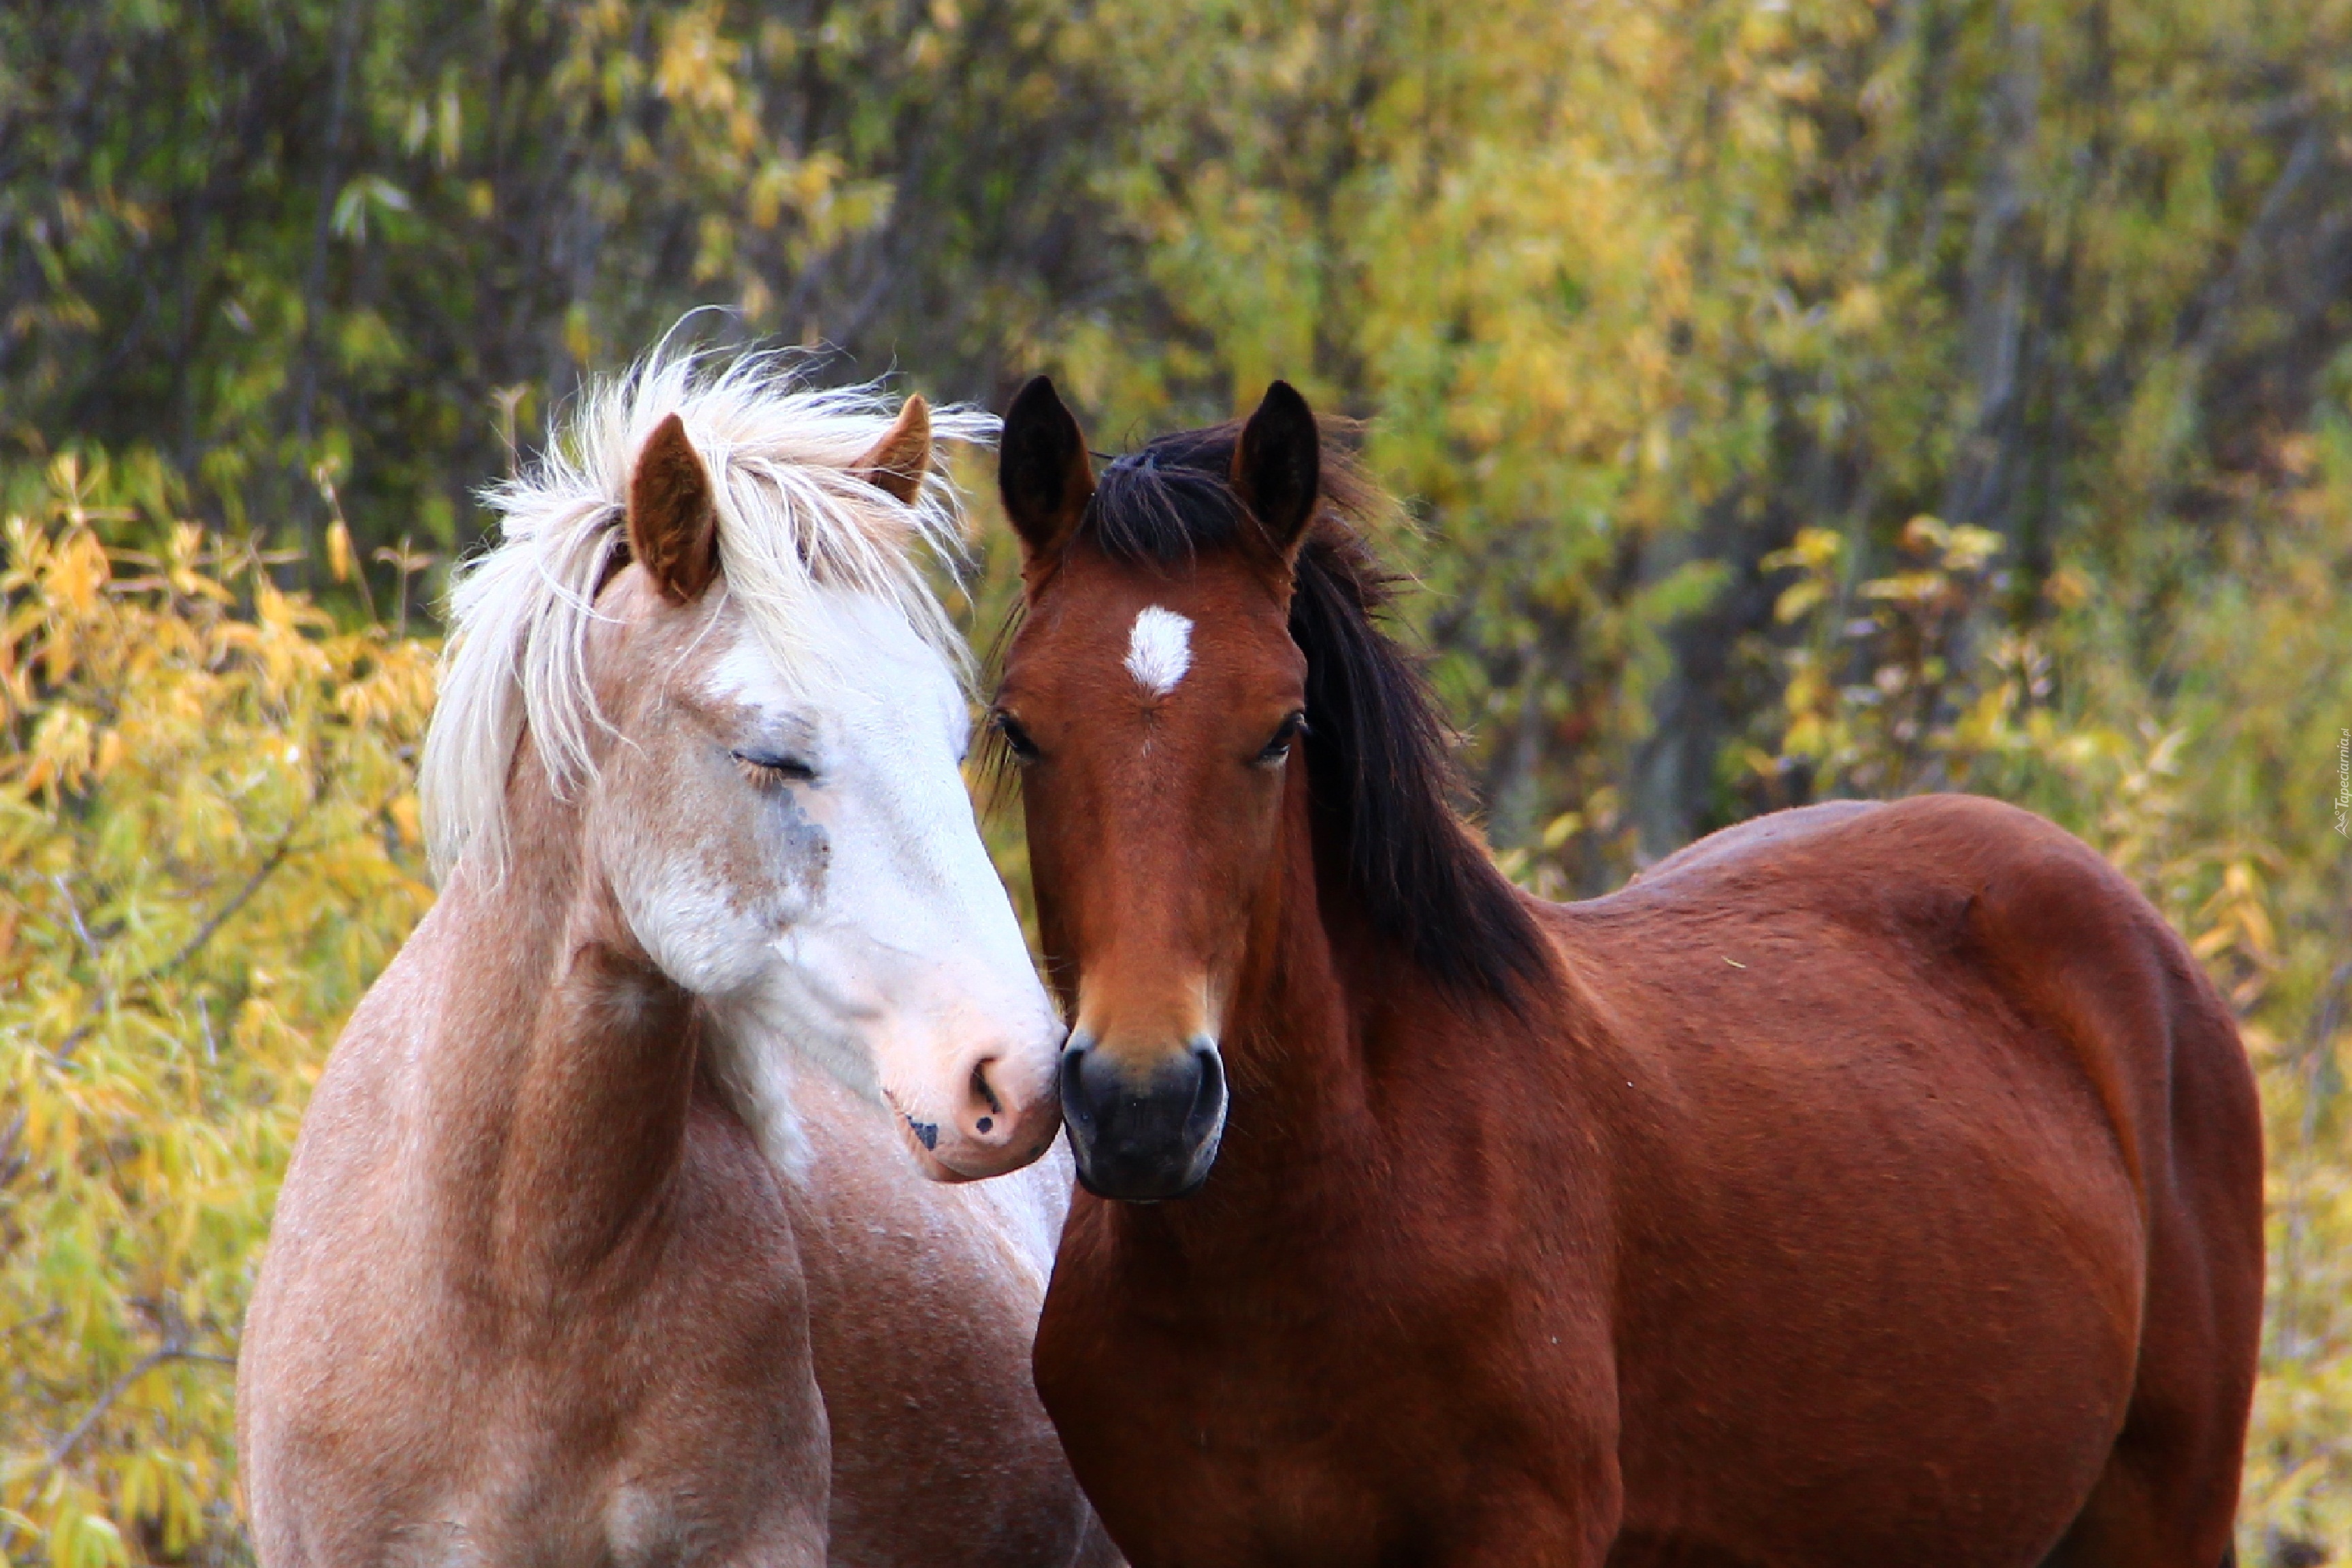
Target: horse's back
[1952, 906]
[1931, 1126]
[1755, 833]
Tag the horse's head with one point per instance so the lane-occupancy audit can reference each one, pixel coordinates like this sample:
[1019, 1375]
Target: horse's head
[768, 790]
[1152, 698]
[797, 845]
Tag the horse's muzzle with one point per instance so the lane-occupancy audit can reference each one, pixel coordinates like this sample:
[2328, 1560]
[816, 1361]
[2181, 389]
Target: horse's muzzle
[1143, 1130]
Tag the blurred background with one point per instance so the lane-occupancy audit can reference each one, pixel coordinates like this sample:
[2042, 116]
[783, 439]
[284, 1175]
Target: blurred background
[1793, 398]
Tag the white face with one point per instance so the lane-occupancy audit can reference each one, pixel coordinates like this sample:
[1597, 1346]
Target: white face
[807, 862]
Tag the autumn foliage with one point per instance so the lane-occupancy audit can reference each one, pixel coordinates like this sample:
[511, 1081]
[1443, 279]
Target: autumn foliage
[208, 848]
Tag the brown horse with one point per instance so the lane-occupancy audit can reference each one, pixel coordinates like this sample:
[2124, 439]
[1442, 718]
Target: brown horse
[1874, 1185]
[608, 1240]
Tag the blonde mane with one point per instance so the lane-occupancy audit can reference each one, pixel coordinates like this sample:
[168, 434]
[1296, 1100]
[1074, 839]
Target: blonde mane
[793, 516]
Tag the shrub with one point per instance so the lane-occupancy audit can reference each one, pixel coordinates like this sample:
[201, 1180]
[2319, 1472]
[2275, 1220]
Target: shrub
[208, 848]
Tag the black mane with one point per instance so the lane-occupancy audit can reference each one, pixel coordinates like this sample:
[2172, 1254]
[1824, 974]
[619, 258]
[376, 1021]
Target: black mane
[1379, 753]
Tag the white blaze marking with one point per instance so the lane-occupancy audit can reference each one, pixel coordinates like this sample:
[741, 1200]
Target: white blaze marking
[1160, 650]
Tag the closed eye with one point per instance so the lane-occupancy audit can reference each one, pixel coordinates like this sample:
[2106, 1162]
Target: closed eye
[1278, 750]
[770, 768]
[1016, 739]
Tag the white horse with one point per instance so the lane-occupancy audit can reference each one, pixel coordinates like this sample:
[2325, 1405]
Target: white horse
[607, 1238]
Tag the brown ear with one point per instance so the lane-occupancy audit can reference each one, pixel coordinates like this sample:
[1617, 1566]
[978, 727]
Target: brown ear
[1278, 466]
[1042, 472]
[673, 515]
[899, 462]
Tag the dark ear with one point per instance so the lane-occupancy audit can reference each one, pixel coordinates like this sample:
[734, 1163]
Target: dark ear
[1279, 464]
[673, 517]
[899, 462]
[1041, 471]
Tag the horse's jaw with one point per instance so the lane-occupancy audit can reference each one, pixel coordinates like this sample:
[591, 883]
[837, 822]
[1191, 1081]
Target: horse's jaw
[761, 1040]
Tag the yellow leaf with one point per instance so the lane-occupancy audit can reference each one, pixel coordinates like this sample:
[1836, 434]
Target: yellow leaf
[1798, 598]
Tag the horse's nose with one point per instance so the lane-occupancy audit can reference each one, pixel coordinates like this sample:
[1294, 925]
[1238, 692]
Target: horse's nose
[1144, 1126]
[1003, 1117]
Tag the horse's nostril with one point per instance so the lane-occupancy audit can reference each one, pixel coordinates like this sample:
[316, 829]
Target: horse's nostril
[1208, 1106]
[984, 1107]
[1082, 1097]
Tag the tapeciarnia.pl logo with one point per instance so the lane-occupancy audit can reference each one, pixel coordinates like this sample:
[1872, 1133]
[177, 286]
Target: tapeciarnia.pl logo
[2344, 783]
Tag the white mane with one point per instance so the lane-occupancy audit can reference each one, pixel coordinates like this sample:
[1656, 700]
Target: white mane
[793, 516]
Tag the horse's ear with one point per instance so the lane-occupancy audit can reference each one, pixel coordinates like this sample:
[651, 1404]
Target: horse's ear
[899, 462]
[1278, 466]
[674, 515]
[1041, 471]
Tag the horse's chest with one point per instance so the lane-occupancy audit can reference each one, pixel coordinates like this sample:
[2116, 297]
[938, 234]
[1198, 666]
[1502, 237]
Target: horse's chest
[1268, 1486]
[1228, 1441]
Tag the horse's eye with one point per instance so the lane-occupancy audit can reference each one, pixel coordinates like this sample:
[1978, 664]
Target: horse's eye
[1277, 750]
[1016, 739]
[774, 768]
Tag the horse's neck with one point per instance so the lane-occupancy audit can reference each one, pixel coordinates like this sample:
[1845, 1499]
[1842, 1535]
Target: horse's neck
[1349, 1062]
[555, 1069]
[1305, 1027]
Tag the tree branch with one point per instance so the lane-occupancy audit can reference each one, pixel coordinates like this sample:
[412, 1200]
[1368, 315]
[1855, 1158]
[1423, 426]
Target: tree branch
[279, 853]
[67, 1047]
[171, 1350]
[278, 856]
[65, 1445]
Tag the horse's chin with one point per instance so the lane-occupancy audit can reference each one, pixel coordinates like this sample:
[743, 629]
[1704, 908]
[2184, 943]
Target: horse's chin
[942, 1156]
[932, 1167]
[1118, 1190]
